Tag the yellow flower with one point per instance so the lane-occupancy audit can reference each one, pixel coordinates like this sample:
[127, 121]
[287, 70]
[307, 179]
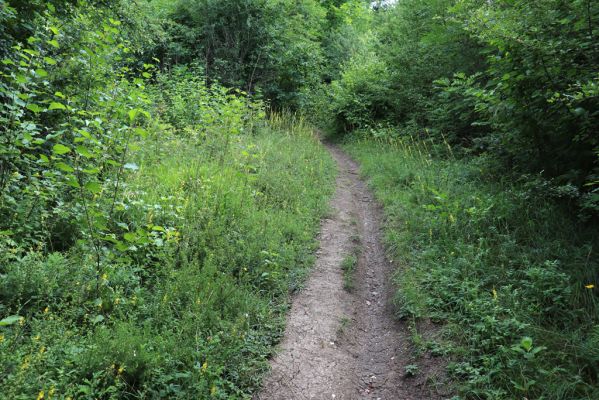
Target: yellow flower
[104, 277]
[121, 370]
[40, 395]
[51, 391]
[204, 366]
[589, 286]
[213, 390]
[42, 349]
[1, 338]
[494, 294]
[46, 310]
[25, 363]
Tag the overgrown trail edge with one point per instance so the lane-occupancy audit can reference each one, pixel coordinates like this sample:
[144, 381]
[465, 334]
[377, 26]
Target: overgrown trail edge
[342, 344]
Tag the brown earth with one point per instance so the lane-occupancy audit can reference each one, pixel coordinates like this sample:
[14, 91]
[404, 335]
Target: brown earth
[342, 344]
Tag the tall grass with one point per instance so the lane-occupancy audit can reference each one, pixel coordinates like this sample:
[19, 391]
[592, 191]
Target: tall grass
[192, 309]
[508, 273]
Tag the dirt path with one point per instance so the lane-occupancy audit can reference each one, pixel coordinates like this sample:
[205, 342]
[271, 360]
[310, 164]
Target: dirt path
[343, 344]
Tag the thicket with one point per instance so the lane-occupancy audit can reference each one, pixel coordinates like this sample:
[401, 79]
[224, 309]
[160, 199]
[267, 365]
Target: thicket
[151, 225]
[512, 81]
[477, 122]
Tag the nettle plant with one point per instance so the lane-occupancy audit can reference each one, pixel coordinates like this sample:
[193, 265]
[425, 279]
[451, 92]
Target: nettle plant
[71, 112]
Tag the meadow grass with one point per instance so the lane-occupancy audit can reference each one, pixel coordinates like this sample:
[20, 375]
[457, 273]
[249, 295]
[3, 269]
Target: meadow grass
[508, 274]
[192, 309]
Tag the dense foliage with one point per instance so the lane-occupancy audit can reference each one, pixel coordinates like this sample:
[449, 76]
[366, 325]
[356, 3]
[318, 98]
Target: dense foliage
[151, 226]
[509, 278]
[513, 81]
[155, 210]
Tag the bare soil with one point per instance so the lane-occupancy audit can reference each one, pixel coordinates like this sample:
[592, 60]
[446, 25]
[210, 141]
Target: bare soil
[342, 344]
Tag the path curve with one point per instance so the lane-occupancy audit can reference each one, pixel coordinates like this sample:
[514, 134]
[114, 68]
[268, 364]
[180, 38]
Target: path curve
[340, 344]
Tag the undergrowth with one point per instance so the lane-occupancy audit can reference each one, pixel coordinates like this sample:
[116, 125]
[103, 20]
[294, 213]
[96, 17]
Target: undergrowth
[509, 275]
[212, 224]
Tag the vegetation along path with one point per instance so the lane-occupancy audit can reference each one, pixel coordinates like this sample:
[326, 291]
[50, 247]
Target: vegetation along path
[342, 341]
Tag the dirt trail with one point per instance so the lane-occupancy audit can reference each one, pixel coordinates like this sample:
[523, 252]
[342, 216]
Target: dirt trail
[337, 344]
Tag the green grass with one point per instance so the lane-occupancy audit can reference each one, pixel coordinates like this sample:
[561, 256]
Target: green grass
[190, 310]
[348, 265]
[502, 268]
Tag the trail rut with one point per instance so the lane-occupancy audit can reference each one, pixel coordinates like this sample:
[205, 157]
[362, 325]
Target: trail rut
[341, 344]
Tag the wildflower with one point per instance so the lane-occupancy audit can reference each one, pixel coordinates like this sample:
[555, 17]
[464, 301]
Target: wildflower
[204, 366]
[25, 363]
[494, 294]
[121, 370]
[37, 337]
[213, 390]
[104, 277]
[42, 349]
[22, 321]
[589, 286]
[51, 391]
[1, 338]
[40, 395]
[46, 310]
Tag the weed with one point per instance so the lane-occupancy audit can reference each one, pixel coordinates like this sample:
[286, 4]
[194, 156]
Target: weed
[344, 323]
[411, 370]
[348, 265]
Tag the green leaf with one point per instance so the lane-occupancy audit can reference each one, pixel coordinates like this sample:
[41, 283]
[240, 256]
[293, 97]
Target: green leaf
[41, 72]
[92, 171]
[84, 151]
[133, 114]
[64, 167]
[93, 187]
[54, 43]
[13, 319]
[60, 149]
[57, 106]
[130, 237]
[141, 132]
[44, 158]
[97, 319]
[526, 343]
[35, 108]
[72, 181]
[50, 60]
